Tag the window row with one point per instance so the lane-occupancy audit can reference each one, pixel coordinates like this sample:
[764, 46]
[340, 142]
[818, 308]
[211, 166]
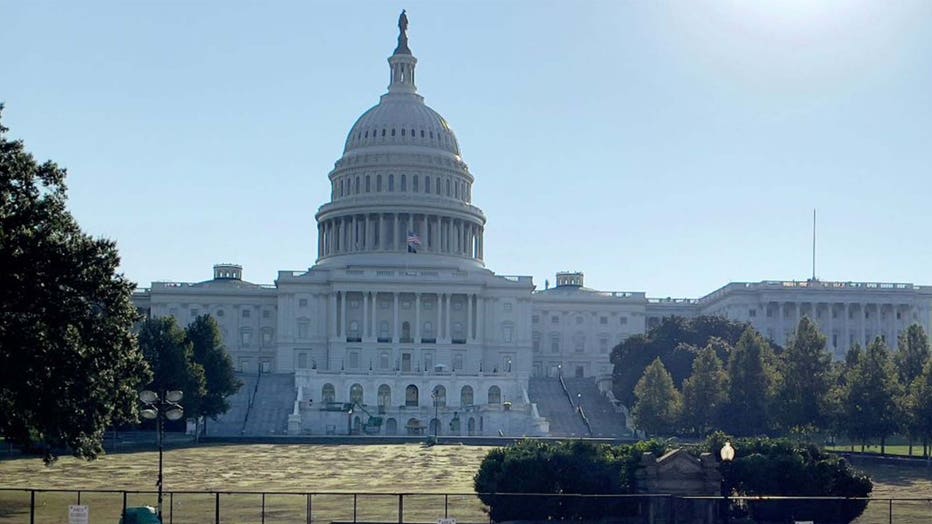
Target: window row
[412, 396]
[603, 320]
[438, 138]
[441, 186]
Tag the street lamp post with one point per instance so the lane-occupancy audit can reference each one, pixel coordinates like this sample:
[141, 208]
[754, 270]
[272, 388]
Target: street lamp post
[159, 408]
[436, 399]
[727, 454]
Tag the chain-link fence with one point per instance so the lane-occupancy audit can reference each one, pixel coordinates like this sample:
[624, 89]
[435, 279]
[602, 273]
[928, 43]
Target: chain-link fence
[106, 506]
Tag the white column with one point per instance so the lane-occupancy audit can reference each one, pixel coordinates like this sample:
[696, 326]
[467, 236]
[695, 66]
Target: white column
[469, 303]
[343, 314]
[781, 334]
[846, 343]
[417, 318]
[333, 315]
[396, 335]
[447, 299]
[480, 318]
[831, 329]
[365, 315]
[861, 335]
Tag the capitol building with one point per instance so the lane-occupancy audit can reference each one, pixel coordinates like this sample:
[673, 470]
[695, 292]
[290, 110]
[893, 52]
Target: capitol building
[400, 328]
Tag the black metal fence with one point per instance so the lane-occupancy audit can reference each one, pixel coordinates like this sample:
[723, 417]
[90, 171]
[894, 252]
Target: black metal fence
[106, 506]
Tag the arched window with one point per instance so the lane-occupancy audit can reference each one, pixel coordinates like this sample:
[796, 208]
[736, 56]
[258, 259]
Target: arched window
[342, 186]
[495, 395]
[471, 426]
[411, 396]
[391, 427]
[378, 184]
[355, 393]
[328, 394]
[356, 190]
[427, 184]
[414, 185]
[385, 396]
[391, 183]
[448, 187]
[439, 396]
[367, 184]
[466, 396]
[404, 182]
[437, 186]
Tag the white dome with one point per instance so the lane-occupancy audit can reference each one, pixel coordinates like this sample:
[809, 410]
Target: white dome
[401, 119]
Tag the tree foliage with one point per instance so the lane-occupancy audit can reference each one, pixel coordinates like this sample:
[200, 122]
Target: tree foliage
[676, 341]
[912, 354]
[544, 467]
[869, 400]
[802, 393]
[219, 378]
[704, 393]
[171, 357]
[69, 362]
[789, 468]
[751, 379]
[658, 406]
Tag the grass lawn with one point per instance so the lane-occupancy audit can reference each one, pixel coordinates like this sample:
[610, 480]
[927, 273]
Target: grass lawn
[898, 449]
[409, 468]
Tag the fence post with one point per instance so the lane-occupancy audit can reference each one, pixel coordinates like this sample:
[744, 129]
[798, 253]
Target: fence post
[309, 508]
[263, 508]
[401, 508]
[217, 508]
[891, 511]
[32, 506]
[124, 503]
[354, 508]
[446, 505]
[171, 507]
[79, 497]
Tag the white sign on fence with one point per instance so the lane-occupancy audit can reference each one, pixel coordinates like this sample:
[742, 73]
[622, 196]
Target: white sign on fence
[446, 521]
[78, 515]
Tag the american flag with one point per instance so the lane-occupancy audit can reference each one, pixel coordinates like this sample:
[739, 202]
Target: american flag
[413, 239]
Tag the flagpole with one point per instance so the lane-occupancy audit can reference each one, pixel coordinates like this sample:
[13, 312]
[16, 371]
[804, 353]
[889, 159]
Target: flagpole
[813, 242]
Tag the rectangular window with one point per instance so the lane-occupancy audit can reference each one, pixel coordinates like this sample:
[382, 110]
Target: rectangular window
[457, 362]
[266, 313]
[246, 313]
[752, 313]
[507, 306]
[603, 320]
[623, 321]
[302, 329]
[554, 319]
[603, 345]
[354, 360]
[555, 346]
[302, 302]
[507, 333]
[535, 319]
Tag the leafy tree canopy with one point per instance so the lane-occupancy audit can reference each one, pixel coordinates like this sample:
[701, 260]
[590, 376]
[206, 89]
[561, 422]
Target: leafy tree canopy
[219, 378]
[869, 400]
[912, 354]
[658, 406]
[802, 394]
[751, 378]
[704, 393]
[676, 341]
[69, 363]
[171, 357]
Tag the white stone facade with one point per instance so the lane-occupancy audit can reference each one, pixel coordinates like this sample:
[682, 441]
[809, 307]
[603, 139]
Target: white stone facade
[400, 320]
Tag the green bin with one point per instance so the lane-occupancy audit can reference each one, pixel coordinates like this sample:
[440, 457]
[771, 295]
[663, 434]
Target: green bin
[141, 515]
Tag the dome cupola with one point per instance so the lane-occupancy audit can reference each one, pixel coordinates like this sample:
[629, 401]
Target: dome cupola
[401, 187]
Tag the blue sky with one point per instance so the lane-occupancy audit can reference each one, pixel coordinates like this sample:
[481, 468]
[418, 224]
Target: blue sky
[666, 147]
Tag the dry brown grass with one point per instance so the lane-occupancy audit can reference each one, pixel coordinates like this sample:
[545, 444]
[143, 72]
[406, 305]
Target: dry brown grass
[408, 468]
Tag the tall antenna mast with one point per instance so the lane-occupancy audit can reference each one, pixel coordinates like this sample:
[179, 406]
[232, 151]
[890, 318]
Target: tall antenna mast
[813, 243]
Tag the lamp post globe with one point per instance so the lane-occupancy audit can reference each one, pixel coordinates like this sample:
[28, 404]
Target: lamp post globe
[727, 453]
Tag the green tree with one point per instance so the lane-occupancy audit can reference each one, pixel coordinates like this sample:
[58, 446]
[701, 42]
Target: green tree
[750, 384]
[806, 379]
[869, 401]
[919, 405]
[912, 354]
[69, 363]
[220, 379]
[676, 341]
[910, 358]
[658, 404]
[171, 357]
[704, 393]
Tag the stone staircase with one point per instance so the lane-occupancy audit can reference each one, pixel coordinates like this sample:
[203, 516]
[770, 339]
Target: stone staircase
[273, 402]
[603, 420]
[553, 404]
[231, 422]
